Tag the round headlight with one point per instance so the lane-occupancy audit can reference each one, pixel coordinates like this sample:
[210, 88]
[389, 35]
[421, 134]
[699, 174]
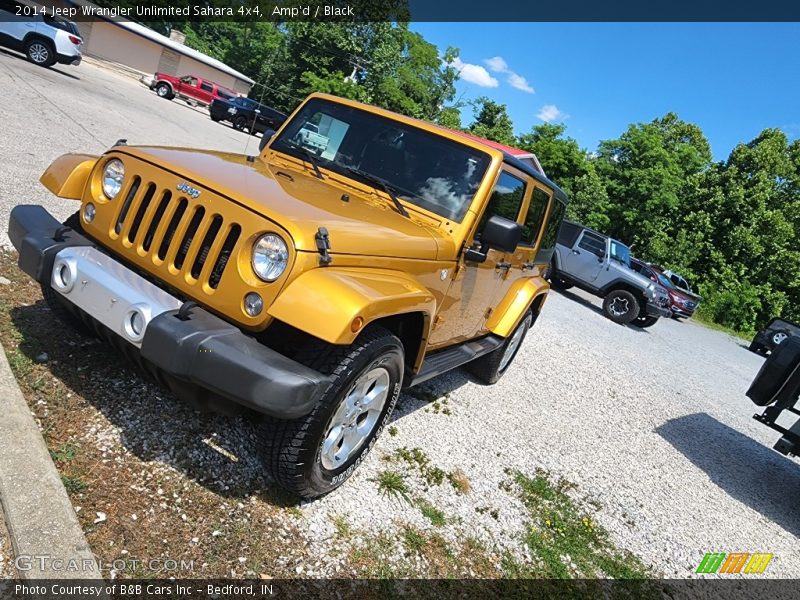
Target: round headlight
[113, 175]
[270, 256]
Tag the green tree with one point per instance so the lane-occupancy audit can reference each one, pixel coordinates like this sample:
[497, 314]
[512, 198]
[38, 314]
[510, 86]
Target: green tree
[491, 121]
[562, 159]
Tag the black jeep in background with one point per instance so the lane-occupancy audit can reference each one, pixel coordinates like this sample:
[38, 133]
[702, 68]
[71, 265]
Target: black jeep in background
[775, 333]
[246, 114]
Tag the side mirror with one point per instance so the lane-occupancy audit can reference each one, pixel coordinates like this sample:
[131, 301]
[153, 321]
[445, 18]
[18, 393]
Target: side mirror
[265, 138]
[501, 234]
[498, 233]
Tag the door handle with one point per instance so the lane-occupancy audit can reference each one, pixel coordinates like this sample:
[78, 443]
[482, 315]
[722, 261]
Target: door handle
[575, 252]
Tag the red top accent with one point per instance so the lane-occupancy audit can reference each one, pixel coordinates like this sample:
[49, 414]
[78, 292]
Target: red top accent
[523, 155]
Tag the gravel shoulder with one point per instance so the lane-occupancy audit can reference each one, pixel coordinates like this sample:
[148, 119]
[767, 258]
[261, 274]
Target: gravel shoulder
[652, 426]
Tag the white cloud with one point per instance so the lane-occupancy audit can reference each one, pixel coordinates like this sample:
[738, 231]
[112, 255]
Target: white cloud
[550, 112]
[474, 74]
[497, 64]
[519, 82]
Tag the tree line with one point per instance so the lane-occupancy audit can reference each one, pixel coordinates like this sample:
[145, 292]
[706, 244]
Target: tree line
[731, 227]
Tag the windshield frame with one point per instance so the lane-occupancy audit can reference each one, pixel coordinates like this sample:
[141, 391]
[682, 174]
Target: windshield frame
[283, 144]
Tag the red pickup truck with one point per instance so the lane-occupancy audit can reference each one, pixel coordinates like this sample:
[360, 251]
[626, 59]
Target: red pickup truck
[191, 88]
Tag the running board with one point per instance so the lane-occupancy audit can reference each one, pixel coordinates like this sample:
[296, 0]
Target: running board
[450, 358]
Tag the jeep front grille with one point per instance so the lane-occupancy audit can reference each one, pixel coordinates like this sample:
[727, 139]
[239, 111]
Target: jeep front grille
[172, 230]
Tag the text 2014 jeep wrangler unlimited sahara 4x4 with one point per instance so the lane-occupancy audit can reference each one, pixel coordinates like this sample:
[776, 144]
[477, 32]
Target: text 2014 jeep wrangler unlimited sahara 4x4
[306, 285]
[602, 266]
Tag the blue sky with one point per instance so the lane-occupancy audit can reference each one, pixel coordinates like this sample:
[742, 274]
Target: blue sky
[732, 79]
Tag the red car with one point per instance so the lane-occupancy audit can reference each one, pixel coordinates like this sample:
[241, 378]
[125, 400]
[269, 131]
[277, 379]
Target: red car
[190, 88]
[682, 304]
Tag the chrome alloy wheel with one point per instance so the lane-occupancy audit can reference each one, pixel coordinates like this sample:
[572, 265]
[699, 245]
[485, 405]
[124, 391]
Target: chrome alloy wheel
[355, 418]
[619, 307]
[779, 338]
[513, 344]
[39, 53]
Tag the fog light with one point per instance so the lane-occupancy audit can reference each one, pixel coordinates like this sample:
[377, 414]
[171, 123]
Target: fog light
[253, 304]
[89, 212]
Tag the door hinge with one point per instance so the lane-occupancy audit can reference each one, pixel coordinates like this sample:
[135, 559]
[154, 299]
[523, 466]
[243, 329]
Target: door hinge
[437, 321]
[323, 245]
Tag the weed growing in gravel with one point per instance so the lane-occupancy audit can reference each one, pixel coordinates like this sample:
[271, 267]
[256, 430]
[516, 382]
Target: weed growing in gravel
[567, 542]
[417, 459]
[430, 512]
[393, 484]
[74, 484]
[392, 430]
[413, 539]
[342, 526]
[64, 453]
[459, 481]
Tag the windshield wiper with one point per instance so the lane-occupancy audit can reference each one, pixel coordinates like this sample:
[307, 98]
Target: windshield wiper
[384, 185]
[310, 156]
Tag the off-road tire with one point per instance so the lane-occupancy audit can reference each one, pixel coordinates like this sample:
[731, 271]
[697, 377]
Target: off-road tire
[55, 301]
[775, 371]
[611, 300]
[645, 322]
[163, 90]
[292, 449]
[487, 368]
[215, 119]
[40, 52]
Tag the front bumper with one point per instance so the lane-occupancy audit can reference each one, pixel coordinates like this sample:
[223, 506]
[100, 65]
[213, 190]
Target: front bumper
[681, 312]
[653, 310]
[198, 355]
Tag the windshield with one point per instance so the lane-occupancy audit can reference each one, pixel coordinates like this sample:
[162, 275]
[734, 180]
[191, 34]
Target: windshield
[620, 252]
[665, 282]
[422, 168]
[244, 103]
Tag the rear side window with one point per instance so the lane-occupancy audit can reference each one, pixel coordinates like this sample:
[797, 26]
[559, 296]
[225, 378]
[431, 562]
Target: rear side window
[535, 217]
[593, 243]
[506, 199]
[206, 87]
[568, 234]
[551, 230]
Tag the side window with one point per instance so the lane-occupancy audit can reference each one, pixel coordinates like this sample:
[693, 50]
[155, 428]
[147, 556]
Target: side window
[506, 199]
[593, 243]
[535, 217]
[551, 230]
[206, 87]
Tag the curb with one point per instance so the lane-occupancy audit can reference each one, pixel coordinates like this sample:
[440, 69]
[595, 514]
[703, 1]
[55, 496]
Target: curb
[46, 537]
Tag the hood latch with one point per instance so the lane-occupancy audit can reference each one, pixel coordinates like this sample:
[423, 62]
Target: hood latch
[323, 245]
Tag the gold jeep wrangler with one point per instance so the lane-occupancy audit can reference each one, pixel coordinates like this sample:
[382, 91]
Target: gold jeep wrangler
[361, 252]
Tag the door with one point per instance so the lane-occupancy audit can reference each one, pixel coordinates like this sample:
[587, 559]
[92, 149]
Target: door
[187, 86]
[205, 92]
[13, 26]
[475, 287]
[586, 258]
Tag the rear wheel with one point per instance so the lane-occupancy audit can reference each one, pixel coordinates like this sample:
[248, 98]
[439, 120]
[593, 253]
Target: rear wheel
[315, 454]
[491, 367]
[621, 306]
[164, 91]
[40, 52]
[240, 123]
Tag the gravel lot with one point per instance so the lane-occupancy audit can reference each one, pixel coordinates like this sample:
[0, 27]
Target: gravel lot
[651, 425]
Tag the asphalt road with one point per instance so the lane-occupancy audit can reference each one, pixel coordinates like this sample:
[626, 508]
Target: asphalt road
[654, 424]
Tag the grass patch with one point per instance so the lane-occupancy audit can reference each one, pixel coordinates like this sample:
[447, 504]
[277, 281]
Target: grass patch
[418, 460]
[64, 453]
[392, 430]
[708, 323]
[459, 481]
[567, 542]
[430, 512]
[342, 526]
[74, 484]
[393, 484]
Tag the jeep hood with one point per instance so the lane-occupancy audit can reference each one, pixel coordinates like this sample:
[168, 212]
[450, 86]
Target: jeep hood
[364, 224]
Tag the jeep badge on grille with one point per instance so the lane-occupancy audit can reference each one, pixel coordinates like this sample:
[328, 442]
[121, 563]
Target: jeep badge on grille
[188, 190]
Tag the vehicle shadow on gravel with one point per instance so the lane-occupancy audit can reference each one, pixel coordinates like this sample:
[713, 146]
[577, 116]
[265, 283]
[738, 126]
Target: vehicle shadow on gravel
[218, 452]
[761, 478]
[589, 304]
[51, 69]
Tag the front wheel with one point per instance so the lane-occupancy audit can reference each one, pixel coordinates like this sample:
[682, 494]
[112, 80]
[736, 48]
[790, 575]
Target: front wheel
[621, 306]
[645, 321]
[240, 123]
[315, 454]
[491, 367]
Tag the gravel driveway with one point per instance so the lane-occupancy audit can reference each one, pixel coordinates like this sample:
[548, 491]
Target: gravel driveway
[651, 425]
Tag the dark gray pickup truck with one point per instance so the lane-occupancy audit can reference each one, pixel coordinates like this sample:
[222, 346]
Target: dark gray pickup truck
[600, 265]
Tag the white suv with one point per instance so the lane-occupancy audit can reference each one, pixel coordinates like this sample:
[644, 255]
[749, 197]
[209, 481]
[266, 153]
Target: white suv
[31, 28]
